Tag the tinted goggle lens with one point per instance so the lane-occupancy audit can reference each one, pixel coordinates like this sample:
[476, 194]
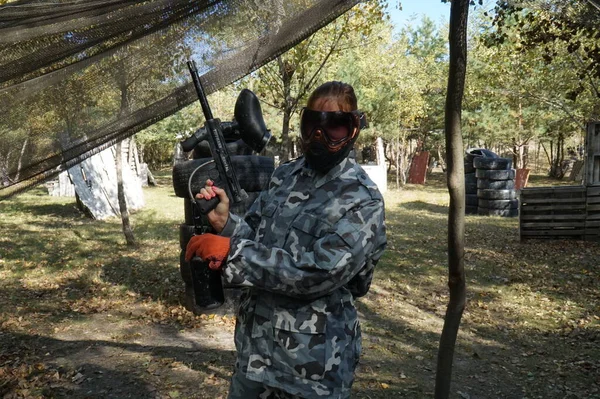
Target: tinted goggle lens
[335, 126]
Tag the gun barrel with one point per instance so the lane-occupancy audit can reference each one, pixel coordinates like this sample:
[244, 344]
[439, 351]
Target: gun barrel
[218, 147]
[199, 90]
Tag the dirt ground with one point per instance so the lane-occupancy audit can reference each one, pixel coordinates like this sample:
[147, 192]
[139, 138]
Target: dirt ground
[83, 316]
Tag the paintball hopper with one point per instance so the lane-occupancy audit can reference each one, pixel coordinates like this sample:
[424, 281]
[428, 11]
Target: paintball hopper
[248, 124]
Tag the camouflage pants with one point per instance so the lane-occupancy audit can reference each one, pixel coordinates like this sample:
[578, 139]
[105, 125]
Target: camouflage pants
[243, 388]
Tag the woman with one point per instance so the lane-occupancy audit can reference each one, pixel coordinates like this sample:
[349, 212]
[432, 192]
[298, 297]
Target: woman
[306, 249]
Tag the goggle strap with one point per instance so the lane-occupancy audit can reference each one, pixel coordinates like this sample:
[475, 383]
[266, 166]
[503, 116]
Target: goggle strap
[362, 120]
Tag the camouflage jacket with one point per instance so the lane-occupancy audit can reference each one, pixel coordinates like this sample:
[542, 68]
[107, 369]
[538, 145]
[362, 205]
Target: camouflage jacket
[306, 248]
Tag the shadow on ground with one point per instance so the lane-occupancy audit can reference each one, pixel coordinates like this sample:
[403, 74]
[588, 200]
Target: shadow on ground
[82, 368]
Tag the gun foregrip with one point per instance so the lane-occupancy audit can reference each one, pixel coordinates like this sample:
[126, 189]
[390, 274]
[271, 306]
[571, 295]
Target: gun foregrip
[206, 206]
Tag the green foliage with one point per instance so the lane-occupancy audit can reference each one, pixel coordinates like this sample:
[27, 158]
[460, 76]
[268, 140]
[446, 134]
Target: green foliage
[158, 141]
[400, 80]
[285, 83]
[551, 26]
[532, 75]
[515, 93]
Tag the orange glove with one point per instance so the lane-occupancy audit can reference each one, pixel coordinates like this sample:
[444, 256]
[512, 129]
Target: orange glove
[210, 248]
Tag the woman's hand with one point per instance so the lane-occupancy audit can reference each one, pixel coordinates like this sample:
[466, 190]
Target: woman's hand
[218, 216]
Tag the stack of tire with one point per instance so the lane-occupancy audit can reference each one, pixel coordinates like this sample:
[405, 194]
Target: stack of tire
[253, 173]
[496, 187]
[489, 184]
[471, 199]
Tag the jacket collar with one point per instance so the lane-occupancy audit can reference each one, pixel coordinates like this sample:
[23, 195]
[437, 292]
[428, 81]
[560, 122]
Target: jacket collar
[335, 172]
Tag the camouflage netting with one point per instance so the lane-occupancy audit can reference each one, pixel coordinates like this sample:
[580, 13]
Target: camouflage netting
[77, 76]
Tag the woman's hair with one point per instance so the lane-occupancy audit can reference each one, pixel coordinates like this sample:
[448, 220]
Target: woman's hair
[343, 92]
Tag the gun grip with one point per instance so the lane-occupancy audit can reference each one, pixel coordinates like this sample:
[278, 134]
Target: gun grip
[206, 206]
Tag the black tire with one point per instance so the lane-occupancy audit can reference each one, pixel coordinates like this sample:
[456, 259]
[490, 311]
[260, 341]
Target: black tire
[185, 269]
[496, 184]
[471, 188]
[496, 174]
[492, 163]
[253, 173]
[498, 212]
[496, 194]
[470, 178]
[470, 210]
[202, 150]
[469, 168]
[189, 213]
[472, 153]
[189, 296]
[186, 232]
[499, 204]
[471, 200]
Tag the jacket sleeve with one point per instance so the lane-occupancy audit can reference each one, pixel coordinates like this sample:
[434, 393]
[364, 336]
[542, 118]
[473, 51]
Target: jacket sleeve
[244, 227]
[348, 250]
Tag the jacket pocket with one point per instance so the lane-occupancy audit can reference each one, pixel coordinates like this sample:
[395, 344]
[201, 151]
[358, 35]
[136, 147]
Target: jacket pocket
[299, 347]
[304, 231]
[262, 320]
[266, 233]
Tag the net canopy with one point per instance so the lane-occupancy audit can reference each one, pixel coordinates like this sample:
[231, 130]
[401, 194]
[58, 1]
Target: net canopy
[76, 76]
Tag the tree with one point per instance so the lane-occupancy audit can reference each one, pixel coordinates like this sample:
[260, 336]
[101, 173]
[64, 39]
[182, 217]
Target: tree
[130, 81]
[428, 47]
[125, 223]
[551, 25]
[286, 82]
[401, 99]
[525, 82]
[500, 111]
[390, 96]
[456, 186]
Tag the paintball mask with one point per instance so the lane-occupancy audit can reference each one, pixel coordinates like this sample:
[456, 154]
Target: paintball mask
[328, 137]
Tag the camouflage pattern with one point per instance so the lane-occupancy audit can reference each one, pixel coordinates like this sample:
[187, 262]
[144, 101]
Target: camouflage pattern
[306, 249]
[243, 388]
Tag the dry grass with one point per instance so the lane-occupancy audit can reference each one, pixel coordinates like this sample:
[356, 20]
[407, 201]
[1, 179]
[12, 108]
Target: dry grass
[84, 316]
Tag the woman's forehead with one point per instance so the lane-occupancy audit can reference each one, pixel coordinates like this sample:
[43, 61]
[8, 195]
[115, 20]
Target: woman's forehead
[330, 104]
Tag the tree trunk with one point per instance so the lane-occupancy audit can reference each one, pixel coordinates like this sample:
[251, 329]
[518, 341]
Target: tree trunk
[399, 164]
[456, 186]
[388, 153]
[441, 160]
[127, 231]
[124, 109]
[4, 170]
[520, 152]
[557, 157]
[520, 143]
[516, 140]
[151, 179]
[20, 162]
[286, 73]
[560, 155]
[286, 143]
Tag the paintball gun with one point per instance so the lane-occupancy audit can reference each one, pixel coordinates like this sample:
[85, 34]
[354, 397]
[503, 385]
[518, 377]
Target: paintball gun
[248, 125]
